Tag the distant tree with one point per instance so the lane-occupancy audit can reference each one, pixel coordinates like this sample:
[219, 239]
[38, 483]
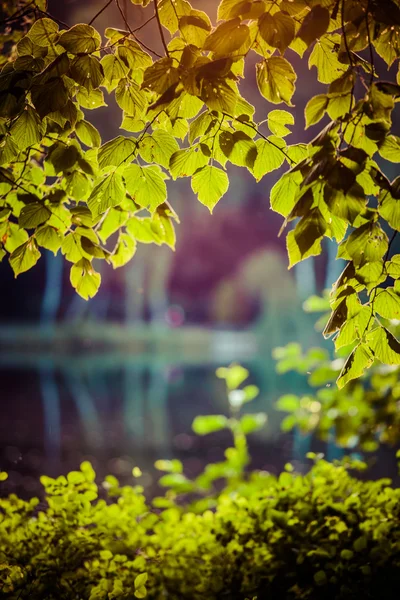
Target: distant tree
[62, 189]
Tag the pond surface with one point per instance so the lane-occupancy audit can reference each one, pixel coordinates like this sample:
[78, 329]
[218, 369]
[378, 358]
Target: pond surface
[120, 409]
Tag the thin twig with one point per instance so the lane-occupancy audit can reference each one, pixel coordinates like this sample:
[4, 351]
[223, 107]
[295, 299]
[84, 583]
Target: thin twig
[164, 43]
[371, 53]
[254, 127]
[100, 11]
[349, 54]
[145, 23]
[132, 32]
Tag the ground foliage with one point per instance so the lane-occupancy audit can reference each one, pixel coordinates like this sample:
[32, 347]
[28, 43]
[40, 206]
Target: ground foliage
[183, 116]
[324, 534]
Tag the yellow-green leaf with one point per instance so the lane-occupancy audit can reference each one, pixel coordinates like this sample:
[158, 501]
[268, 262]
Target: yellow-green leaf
[88, 134]
[80, 39]
[276, 79]
[146, 185]
[33, 214]
[84, 279]
[315, 109]
[210, 184]
[24, 257]
[360, 359]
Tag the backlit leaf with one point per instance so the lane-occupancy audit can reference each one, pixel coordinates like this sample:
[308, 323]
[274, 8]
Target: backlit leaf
[210, 184]
[146, 185]
[24, 257]
[84, 279]
[80, 38]
[276, 79]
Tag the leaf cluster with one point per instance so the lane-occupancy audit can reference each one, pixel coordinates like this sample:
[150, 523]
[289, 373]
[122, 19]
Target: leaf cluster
[361, 415]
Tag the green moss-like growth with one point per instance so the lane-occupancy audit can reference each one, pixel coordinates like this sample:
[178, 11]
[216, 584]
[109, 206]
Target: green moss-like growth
[325, 534]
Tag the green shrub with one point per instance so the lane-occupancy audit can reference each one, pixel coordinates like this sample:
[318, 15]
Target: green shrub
[290, 536]
[325, 534]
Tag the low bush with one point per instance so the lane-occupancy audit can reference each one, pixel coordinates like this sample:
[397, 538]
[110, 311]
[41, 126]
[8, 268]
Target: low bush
[323, 534]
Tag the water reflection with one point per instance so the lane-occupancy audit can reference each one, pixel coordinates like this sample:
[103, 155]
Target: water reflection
[123, 410]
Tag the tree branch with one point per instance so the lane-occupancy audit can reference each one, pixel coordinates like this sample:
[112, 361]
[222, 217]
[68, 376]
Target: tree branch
[160, 27]
[132, 32]
[100, 11]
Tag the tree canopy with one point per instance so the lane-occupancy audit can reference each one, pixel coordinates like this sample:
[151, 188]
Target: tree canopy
[182, 115]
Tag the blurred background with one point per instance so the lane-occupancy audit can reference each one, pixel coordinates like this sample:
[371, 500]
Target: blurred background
[118, 380]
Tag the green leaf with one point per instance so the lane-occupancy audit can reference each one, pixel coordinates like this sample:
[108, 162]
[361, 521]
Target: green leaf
[88, 134]
[87, 71]
[158, 147]
[160, 76]
[48, 238]
[288, 403]
[43, 32]
[315, 109]
[276, 79]
[389, 149]
[389, 209]
[24, 257]
[49, 97]
[33, 215]
[133, 55]
[325, 59]
[80, 39]
[130, 98]
[269, 157]
[366, 244]
[170, 13]
[219, 96]
[108, 191]
[283, 193]
[210, 184]
[251, 423]
[146, 185]
[116, 151]
[90, 99]
[84, 279]
[114, 68]
[185, 162]
[124, 250]
[305, 239]
[195, 27]
[278, 30]
[140, 580]
[71, 247]
[384, 346]
[238, 147]
[360, 359]
[387, 303]
[27, 129]
[209, 424]
[77, 185]
[112, 222]
[234, 375]
[314, 25]
[277, 121]
[227, 38]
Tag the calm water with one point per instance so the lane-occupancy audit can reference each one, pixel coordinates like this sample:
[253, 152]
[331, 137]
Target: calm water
[119, 410]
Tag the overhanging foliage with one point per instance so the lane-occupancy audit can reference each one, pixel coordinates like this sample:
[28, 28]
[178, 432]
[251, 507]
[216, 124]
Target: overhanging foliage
[184, 116]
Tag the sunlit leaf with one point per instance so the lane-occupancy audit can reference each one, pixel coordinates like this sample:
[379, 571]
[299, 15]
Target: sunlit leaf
[210, 184]
[84, 279]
